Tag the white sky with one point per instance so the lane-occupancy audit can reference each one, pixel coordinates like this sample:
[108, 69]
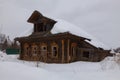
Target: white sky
[98, 17]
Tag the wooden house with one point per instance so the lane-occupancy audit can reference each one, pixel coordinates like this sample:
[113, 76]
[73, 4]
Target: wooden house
[65, 47]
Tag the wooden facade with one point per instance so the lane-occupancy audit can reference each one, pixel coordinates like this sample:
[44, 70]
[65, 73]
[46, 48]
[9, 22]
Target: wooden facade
[65, 47]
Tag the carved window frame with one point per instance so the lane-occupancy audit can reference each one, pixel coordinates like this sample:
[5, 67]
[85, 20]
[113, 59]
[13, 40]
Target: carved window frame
[42, 51]
[54, 45]
[34, 49]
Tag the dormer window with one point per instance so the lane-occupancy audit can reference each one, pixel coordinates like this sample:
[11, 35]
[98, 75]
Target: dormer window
[41, 23]
[40, 27]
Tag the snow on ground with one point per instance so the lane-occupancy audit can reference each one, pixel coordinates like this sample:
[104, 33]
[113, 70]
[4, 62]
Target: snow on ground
[13, 69]
[3, 56]
[17, 71]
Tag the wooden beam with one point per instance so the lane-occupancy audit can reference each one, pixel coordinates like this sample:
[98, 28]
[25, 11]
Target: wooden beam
[68, 51]
[62, 51]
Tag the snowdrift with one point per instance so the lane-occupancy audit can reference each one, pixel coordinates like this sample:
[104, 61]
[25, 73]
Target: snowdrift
[17, 71]
[13, 69]
[3, 56]
[73, 71]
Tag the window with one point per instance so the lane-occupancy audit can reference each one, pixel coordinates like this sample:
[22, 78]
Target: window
[73, 51]
[73, 48]
[86, 54]
[54, 51]
[40, 27]
[26, 49]
[34, 50]
[43, 50]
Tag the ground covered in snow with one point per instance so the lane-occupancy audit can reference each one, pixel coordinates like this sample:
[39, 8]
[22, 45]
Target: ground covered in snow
[13, 69]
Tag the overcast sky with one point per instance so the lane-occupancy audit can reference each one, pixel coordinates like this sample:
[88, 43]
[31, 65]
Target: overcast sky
[101, 18]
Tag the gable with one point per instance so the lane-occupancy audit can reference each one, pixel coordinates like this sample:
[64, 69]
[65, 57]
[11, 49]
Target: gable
[35, 17]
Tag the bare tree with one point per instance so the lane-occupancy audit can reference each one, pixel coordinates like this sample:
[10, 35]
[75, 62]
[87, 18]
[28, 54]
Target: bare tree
[117, 50]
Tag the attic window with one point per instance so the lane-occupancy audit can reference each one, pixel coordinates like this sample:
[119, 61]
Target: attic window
[40, 27]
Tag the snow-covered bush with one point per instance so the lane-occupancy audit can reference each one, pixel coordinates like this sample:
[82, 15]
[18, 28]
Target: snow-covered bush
[111, 62]
[117, 57]
[2, 56]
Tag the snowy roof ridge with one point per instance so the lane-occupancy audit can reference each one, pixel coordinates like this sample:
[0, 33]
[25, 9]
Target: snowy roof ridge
[64, 26]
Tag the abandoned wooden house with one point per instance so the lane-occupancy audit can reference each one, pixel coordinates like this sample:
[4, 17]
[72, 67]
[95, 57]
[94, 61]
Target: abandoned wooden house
[64, 47]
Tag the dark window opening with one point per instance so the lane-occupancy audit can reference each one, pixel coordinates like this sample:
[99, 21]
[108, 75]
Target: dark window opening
[44, 48]
[86, 54]
[54, 51]
[40, 27]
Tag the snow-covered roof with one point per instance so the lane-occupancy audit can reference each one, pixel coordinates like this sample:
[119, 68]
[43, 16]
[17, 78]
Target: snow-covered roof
[63, 26]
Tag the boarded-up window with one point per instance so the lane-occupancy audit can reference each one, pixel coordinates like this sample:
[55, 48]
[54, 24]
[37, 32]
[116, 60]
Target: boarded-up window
[73, 51]
[73, 48]
[86, 54]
